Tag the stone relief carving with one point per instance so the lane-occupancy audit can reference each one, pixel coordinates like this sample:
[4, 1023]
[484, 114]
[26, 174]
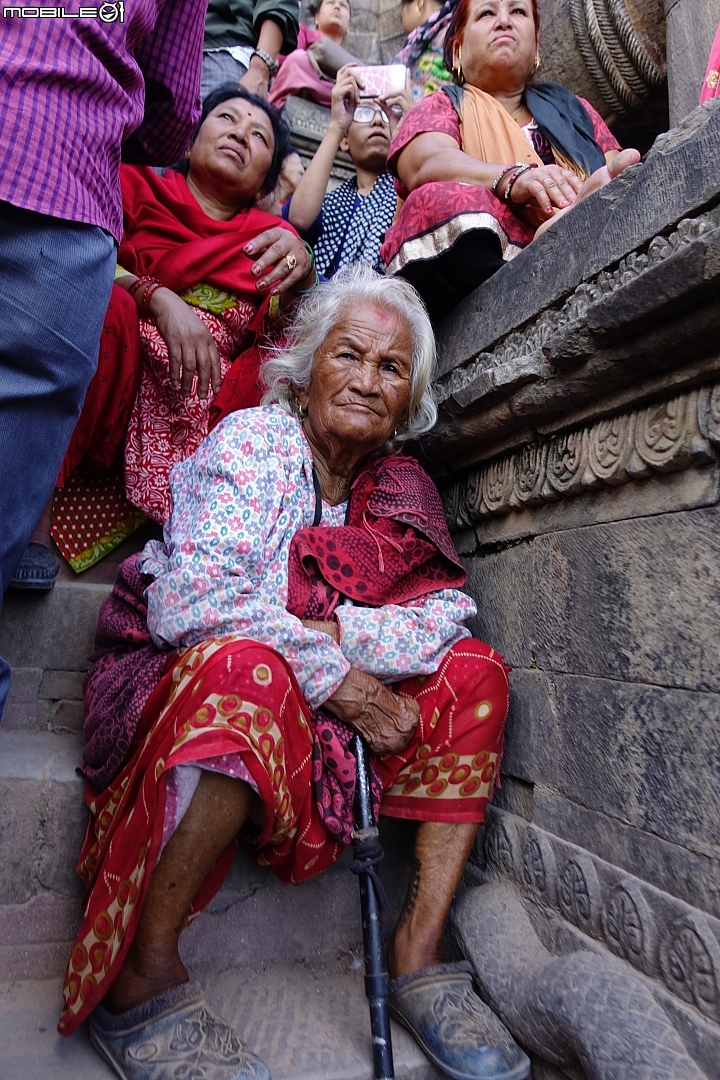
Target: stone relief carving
[539, 869]
[579, 894]
[690, 963]
[615, 53]
[528, 343]
[665, 437]
[660, 936]
[629, 926]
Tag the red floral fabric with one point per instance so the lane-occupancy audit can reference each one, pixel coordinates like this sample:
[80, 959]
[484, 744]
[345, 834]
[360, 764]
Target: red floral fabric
[235, 696]
[395, 546]
[164, 426]
[99, 434]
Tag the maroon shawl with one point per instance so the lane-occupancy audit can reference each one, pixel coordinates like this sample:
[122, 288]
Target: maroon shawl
[395, 546]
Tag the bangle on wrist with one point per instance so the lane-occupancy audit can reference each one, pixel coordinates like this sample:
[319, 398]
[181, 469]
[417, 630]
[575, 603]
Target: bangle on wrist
[501, 177]
[151, 286]
[519, 170]
[270, 64]
[311, 253]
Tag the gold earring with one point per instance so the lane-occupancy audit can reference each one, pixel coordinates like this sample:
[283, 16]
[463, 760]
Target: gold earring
[457, 67]
[537, 62]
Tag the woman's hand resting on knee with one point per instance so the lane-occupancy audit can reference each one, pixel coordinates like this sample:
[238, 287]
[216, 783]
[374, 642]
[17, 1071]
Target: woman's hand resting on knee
[385, 720]
[189, 343]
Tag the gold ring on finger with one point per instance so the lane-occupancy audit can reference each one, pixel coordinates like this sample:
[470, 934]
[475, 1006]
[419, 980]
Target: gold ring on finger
[290, 262]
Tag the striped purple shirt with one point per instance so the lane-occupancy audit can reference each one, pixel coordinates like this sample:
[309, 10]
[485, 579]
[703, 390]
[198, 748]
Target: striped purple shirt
[72, 90]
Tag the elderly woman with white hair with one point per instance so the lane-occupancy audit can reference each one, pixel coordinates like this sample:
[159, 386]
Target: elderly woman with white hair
[307, 589]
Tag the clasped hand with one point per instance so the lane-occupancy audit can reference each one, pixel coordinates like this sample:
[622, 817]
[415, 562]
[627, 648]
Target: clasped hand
[281, 261]
[537, 193]
[385, 720]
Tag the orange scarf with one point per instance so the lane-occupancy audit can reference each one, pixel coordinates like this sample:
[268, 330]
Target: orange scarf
[490, 134]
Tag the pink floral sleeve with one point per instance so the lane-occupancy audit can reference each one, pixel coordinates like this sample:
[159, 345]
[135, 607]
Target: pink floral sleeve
[602, 133]
[396, 641]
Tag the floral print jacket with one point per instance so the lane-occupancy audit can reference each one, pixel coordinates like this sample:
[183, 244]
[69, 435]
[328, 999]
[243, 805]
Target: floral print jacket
[222, 569]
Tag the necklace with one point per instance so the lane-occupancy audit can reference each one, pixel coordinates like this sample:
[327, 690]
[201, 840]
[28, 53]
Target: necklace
[515, 116]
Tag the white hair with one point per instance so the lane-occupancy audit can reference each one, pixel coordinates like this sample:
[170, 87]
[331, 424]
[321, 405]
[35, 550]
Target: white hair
[290, 369]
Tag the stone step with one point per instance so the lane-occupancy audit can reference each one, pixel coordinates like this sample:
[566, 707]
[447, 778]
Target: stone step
[307, 1022]
[253, 918]
[47, 637]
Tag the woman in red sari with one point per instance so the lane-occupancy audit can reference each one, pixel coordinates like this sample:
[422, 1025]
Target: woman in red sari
[307, 588]
[206, 273]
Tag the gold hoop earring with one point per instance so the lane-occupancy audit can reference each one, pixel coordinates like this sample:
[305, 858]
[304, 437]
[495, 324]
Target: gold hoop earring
[457, 68]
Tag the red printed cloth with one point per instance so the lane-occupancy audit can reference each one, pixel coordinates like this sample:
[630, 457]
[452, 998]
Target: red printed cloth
[169, 236]
[236, 697]
[91, 513]
[711, 82]
[395, 546]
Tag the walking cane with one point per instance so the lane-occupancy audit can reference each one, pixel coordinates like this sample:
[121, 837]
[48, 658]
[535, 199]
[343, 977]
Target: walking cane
[368, 853]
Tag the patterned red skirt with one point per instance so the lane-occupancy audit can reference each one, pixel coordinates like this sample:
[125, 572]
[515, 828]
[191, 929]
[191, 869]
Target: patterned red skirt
[232, 696]
[434, 217]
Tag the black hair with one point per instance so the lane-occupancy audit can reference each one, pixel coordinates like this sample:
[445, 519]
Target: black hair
[281, 132]
[314, 6]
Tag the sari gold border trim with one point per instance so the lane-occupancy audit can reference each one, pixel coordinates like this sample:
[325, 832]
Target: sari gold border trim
[436, 241]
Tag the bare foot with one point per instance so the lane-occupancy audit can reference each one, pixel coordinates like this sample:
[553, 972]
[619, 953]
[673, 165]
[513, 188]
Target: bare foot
[134, 987]
[598, 180]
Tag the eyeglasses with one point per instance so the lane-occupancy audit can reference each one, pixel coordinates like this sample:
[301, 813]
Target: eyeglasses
[365, 114]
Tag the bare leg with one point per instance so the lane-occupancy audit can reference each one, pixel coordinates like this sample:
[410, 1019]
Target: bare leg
[44, 525]
[599, 179]
[216, 813]
[441, 851]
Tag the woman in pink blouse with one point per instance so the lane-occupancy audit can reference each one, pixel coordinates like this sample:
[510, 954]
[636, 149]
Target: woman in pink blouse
[304, 72]
[307, 589]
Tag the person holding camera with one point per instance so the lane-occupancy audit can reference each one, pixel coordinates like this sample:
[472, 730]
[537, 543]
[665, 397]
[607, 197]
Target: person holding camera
[347, 225]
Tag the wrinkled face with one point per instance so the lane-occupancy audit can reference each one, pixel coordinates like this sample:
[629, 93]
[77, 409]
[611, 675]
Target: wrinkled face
[499, 40]
[368, 144]
[333, 18]
[361, 379]
[233, 150]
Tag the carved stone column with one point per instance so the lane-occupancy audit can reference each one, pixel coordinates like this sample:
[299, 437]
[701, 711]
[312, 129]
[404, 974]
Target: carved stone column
[691, 26]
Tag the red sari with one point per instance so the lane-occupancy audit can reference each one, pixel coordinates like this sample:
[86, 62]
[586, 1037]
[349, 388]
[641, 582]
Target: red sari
[231, 698]
[168, 236]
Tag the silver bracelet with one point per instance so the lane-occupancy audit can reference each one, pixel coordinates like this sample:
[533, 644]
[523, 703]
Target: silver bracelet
[272, 65]
[504, 173]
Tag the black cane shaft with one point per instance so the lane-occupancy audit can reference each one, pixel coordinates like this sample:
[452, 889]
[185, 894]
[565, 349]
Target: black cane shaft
[376, 977]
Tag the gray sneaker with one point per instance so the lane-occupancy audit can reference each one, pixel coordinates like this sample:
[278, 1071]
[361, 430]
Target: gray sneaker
[173, 1037]
[458, 1032]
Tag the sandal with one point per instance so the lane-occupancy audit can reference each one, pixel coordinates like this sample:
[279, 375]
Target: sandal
[459, 1033]
[170, 1037]
[37, 569]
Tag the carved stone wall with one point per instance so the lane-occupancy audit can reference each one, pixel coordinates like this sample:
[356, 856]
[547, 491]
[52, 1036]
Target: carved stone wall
[578, 454]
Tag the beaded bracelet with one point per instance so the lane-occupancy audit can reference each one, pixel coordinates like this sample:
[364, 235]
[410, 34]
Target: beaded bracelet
[270, 64]
[516, 175]
[151, 286]
[503, 174]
